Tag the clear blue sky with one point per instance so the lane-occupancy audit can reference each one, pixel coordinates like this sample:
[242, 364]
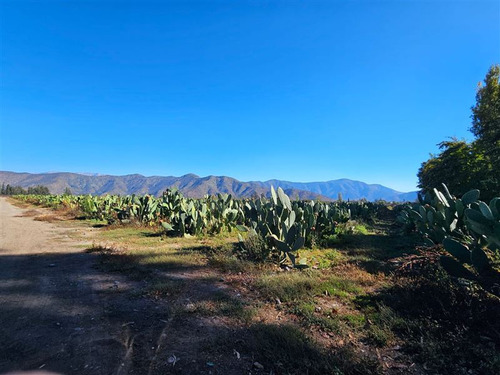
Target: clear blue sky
[295, 90]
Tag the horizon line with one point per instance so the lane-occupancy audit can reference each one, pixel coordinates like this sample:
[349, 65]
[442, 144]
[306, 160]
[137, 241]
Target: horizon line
[93, 174]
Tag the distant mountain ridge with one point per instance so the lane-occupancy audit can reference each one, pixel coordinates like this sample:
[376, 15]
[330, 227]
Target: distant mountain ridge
[194, 186]
[349, 189]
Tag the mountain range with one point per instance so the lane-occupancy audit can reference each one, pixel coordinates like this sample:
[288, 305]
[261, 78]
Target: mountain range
[194, 186]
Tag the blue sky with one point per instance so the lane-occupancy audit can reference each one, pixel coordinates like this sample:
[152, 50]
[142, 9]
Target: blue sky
[295, 90]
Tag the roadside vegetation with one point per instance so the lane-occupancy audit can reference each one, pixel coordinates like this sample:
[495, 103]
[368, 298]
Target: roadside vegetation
[342, 287]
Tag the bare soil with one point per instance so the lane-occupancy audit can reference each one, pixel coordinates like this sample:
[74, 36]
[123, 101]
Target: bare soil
[60, 311]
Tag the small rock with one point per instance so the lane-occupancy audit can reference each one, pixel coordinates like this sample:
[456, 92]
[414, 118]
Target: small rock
[257, 365]
[318, 309]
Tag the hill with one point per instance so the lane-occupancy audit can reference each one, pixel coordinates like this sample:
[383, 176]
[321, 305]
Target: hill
[192, 185]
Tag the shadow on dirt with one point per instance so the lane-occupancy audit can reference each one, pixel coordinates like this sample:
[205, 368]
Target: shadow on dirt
[61, 313]
[449, 327]
[57, 313]
[373, 252]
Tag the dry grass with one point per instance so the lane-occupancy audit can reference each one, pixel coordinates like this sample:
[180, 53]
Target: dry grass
[49, 218]
[45, 214]
[30, 213]
[19, 203]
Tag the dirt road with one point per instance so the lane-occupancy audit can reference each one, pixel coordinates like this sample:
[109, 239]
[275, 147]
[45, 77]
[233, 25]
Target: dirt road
[59, 312]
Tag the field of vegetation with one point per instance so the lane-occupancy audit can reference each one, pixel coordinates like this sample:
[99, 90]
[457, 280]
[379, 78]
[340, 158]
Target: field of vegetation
[310, 287]
[314, 287]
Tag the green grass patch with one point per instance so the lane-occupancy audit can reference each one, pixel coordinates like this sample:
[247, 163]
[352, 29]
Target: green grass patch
[225, 259]
[305, 285]
[354, 320]
[322, 258]
[345, 288]
[166, 259]
[288, 286]
[307, 311]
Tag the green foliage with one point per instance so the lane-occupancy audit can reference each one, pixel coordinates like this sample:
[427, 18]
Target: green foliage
[18, 190]
[144, 208]
[486, 119]
[458, 165]
[463, 166]
[289, 226]
[468, 228]
[275, 221]
[184, 216]
[254, 247]
[438, 215]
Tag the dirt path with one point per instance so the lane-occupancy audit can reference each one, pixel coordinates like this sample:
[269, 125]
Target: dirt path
[60, 313]
[22, 235]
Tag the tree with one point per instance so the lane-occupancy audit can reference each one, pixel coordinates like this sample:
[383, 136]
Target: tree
[486, 115]
[450, 167]
[38, 190]
[463, 166]
[486, 123]
[67, 191]
[13, 190]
